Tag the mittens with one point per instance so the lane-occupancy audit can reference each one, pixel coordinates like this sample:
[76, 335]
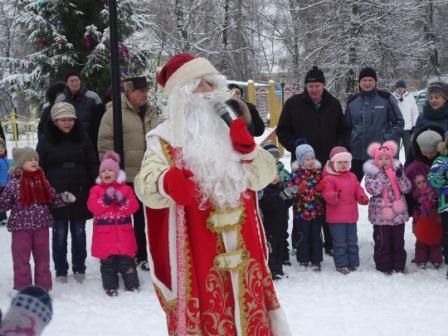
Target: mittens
[68, 197]
[178, 185]
[110, 192]
[363, 200]
[242, 141]
[119, 196]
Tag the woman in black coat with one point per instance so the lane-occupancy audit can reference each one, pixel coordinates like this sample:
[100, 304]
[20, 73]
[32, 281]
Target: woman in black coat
[70, 163]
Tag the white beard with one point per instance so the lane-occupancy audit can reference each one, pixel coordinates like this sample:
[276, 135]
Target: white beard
[207, 151]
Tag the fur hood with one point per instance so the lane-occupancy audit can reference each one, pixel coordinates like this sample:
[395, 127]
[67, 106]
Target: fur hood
[120, 179]
[370, 168]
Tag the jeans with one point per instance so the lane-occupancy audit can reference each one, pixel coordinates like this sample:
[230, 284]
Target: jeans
[79, 251]
[345, 244]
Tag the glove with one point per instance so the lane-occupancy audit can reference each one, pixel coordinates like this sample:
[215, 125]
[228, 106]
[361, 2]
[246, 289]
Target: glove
[363, 200]
[178, 185]
[320, 187]
[110, 192]
[242, 141]
[68, 197]
[399, 171]
[119, 197]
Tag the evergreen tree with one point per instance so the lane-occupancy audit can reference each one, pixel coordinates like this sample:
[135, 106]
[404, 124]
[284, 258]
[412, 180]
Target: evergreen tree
[73, 35]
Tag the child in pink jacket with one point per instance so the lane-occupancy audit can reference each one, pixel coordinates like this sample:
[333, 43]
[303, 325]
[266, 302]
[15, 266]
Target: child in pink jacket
[112, 203]
[342, 193]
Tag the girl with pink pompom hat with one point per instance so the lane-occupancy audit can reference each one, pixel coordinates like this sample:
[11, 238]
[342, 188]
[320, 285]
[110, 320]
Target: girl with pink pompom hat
[387, 183]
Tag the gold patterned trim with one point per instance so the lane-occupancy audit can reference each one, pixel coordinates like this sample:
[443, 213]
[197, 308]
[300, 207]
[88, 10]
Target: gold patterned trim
[231, 261]
[166, 152]
[226, 220]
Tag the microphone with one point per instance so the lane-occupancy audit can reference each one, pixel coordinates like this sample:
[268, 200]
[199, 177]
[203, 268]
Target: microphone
[222, 111]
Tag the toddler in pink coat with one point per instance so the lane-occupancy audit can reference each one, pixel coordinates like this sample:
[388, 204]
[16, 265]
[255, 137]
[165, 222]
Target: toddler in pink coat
[112, 203]
[342, 193]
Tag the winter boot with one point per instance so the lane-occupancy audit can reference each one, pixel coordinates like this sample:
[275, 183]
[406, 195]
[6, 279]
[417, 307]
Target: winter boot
[111, 292]
[343, 270]
[79, 277]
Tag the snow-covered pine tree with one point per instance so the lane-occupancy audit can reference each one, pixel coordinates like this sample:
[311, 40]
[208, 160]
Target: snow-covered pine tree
[72, 35]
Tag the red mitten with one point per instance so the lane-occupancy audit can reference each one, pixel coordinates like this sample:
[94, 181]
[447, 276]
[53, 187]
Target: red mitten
[363, 200]
[242, 141]
[320, 187]
[178, 185]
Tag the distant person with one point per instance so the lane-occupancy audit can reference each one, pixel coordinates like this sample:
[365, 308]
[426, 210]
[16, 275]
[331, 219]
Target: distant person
[69, 160]
[29, 196]
[372, 116]
[387, 183]
[435, 110]
[112, 203]
[88, 105]
[409, 110]
[53, 92]
[138, 117]
[316, 117]
[256, 126]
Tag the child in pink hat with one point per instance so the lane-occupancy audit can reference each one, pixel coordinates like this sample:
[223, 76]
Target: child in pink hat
[342, 193]
[112, 203]
[387, 183]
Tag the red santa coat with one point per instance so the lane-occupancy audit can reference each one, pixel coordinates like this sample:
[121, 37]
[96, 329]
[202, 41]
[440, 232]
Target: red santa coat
[228, 291]
[113, 233]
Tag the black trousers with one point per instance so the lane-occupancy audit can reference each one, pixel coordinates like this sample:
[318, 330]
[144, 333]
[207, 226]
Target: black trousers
[309, 240]
[276, 228]
[122, 264]
[357, 169]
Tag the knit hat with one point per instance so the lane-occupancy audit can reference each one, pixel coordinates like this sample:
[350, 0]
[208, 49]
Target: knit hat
[70, 74]
[183, 68]
[376, 150]
[315, 75]
[440, 88]
[22, 155]
[135, 83]
[303, 151]
[428, 140]
[367, 72]
[111, 161]
[400, 84]
[338, 154]
[62, 110]
[31, 310]
[272, 148]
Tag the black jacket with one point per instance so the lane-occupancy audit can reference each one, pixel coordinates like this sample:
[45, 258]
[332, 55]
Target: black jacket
[70, 164]
[89, 110]
[322, 128]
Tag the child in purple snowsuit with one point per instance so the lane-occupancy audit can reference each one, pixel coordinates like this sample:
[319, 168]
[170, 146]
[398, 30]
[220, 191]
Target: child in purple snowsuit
[387, 183]
[29, 196]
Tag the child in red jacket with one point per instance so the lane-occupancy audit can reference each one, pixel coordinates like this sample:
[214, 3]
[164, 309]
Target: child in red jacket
[112, 203]
[342, 193]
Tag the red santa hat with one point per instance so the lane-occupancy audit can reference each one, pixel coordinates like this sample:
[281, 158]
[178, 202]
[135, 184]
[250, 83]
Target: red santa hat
[183, 68]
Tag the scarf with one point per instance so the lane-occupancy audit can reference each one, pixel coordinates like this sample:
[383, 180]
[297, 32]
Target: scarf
[396, 190]
[34, 188]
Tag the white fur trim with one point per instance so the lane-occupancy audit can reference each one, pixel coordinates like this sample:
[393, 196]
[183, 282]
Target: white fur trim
[189, 71]
[370, 168]
[120, 179]
[249, 156]
[279, 323]
[396, 164]
[160, 185]
[343, 156]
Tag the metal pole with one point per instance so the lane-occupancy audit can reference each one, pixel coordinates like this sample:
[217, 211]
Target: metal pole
[116, 94]
[282, 84]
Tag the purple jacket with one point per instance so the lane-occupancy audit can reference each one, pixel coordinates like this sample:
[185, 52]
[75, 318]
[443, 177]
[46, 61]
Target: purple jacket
[32, 217]
[376, 180]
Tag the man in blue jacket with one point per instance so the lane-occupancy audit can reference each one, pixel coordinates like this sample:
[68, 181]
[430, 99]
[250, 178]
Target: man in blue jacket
[372, 116]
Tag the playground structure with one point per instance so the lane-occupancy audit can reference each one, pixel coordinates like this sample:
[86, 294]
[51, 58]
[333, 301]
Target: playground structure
[269, 99]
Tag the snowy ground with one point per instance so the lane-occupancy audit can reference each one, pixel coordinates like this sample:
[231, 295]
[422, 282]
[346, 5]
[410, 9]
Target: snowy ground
[327, 303]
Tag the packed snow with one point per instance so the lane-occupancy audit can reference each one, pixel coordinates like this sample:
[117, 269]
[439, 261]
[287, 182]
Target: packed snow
[365, 302]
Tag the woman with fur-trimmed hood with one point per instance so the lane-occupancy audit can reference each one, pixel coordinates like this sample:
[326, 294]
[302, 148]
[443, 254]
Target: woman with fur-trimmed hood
[387, 183]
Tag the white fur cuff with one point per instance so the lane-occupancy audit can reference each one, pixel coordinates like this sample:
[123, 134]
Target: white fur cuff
[279, 323]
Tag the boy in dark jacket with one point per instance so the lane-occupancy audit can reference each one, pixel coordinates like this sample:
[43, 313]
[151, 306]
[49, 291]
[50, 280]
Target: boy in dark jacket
[274, 206]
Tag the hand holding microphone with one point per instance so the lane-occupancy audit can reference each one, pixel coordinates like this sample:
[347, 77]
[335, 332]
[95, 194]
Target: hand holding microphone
[242, 140]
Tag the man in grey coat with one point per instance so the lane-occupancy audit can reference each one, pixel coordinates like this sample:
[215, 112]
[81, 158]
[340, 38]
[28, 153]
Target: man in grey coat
[372, 115]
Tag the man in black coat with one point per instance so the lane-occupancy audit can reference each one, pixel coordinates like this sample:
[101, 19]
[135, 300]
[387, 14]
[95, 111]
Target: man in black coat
[89, 106]
[316, 117]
